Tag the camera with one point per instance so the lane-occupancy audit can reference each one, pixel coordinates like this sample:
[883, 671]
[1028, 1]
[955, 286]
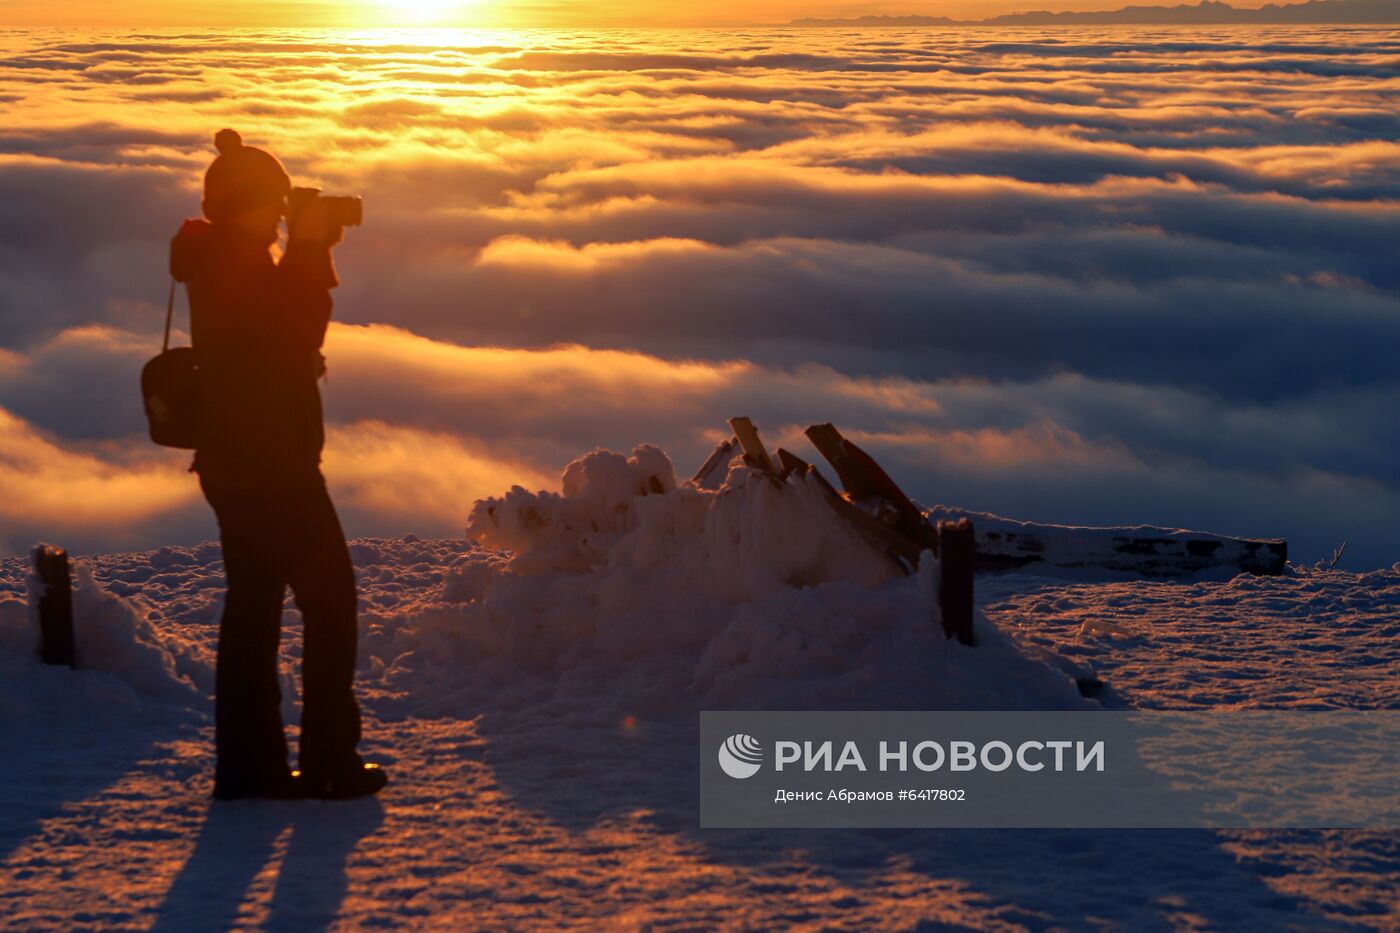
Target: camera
[340, 211]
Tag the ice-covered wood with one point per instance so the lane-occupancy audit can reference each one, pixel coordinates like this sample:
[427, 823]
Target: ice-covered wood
[711, 472]
[1004, 544]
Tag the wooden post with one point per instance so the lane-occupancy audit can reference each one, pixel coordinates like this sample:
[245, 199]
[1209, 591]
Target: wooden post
[958, 562]
[56, 644]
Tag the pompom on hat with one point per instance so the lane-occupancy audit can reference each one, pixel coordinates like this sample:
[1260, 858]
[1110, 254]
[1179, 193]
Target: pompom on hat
[241, 178]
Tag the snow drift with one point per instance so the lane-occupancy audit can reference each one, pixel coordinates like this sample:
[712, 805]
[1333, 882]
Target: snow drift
[124, 658]
[629, 591]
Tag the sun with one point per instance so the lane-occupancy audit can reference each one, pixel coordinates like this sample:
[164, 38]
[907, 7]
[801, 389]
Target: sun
[422, 12]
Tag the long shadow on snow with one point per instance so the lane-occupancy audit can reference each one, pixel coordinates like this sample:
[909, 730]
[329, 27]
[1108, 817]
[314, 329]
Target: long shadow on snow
[67, 760]
[590, 769]
[239, 839]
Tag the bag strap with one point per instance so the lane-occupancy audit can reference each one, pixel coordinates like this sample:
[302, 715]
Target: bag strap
[169, 316]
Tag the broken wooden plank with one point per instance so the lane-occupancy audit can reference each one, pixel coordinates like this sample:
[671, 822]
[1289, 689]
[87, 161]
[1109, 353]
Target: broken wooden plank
[957, 565]
[55, 605]
[712, 471]
[904, 552]
[791, 463]
[755, 454]
[1004, 544]
[865, 481]
[903, 525]
[831, 445]
[875, 506]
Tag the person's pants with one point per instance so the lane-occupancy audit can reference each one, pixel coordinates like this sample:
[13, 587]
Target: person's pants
[272, 539]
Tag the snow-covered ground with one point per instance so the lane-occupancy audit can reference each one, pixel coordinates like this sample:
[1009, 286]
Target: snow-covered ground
[536, 709]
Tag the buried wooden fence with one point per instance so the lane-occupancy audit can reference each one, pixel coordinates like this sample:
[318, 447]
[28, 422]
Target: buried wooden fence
[876, 507]
[969, 543]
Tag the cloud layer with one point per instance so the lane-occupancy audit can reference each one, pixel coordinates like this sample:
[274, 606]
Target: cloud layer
[1070, 275]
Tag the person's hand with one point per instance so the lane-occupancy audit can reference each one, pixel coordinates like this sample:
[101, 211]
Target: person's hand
[313, 224]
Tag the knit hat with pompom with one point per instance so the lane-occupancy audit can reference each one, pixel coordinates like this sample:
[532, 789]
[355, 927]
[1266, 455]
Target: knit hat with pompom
[241, 178]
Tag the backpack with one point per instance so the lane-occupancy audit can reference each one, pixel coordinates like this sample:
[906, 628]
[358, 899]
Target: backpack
[170, 386]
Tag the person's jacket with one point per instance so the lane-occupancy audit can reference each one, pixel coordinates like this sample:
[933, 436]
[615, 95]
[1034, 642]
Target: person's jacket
[257, 326]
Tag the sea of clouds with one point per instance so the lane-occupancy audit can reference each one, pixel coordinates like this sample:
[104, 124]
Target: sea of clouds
[1074, 275]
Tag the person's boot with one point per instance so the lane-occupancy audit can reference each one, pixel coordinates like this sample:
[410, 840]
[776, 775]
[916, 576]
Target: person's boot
[352, 782]
[286, 785]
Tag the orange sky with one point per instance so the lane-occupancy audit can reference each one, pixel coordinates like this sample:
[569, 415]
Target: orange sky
[481, 13]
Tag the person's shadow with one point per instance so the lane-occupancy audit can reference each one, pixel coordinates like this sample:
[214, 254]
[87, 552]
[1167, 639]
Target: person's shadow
[235, 845]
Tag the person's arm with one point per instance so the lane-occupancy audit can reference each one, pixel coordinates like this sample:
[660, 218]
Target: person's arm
[306, 275]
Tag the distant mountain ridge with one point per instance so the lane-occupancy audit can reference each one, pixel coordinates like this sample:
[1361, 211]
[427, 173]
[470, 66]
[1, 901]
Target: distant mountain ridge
[1205, 13]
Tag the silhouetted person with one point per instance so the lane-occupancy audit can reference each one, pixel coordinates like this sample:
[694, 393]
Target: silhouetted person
[257, 326]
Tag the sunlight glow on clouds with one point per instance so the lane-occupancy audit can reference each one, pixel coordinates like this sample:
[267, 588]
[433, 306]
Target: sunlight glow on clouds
[1096, 276]
[470, 14]
[44, 484]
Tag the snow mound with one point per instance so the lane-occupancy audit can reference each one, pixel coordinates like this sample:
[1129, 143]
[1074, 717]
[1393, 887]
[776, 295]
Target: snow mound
[122, 656]
[630, 591]
[115, 634]
[625, 517]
